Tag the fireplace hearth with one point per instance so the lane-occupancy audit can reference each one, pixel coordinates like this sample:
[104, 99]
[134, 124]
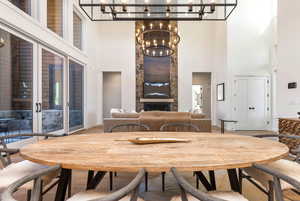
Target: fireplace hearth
[157, 106]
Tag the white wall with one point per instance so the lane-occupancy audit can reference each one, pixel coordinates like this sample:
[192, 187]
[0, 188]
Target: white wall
[195, 54]
[246, 42]
[288, 70]
[220, 70]
[116, 52]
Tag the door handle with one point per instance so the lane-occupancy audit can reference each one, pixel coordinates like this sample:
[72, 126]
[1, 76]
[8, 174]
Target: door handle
[40, 104]
[36, 107]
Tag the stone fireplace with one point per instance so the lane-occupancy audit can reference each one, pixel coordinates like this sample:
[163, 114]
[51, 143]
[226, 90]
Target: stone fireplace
[156, 71]
[157, 106]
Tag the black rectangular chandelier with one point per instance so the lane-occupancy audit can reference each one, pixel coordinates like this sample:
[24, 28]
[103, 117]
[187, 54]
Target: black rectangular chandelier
[179, 10]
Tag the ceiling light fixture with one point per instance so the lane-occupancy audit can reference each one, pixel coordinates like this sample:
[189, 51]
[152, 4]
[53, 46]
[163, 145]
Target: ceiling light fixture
[179, 10]
[157, 39]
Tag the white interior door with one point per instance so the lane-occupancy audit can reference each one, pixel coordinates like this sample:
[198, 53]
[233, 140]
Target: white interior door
[257, 93]
[251, 103]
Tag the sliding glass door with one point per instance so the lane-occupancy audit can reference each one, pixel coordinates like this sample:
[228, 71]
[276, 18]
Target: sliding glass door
[52, 90]
[16, 85]
[36, 83]
[75, 95]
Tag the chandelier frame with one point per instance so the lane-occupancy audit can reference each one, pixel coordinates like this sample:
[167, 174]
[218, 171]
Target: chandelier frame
[161, 39]
[118, 11]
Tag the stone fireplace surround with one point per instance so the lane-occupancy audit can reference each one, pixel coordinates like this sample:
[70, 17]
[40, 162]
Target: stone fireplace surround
[154, 105]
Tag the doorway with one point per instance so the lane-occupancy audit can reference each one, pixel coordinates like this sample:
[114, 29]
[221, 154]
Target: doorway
[111, 92]
[252, 103]
[201, 93]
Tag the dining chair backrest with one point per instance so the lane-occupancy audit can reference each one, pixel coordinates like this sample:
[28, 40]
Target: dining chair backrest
[187, 188]
[7, 194]
[5, 152]
[179, 127]
[129, 127]
[278, 177]
[131, 188]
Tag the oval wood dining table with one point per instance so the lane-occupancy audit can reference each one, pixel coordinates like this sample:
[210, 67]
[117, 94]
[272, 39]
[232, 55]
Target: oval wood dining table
[113, 152]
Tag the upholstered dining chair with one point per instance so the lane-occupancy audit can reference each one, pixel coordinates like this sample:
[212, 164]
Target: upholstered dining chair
[179, 127]
[12, 172]
[289, 166]
[127, 127]
[189, 193]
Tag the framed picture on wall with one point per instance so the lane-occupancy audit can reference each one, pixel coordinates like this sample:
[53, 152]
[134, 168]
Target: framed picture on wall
[221, 92]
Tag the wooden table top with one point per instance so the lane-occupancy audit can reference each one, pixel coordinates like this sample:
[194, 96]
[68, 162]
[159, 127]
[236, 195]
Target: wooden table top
[105, 152]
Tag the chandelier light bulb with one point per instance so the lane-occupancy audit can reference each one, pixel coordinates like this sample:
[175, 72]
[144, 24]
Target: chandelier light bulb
[143, 27]
[151, 26]
[163, 42]
[147, 51]
[103, 1]
[2, 42]
[160, 25]
[146, 1]
[167, 52]
[168, 1]
[170, 27]
[149, 14]
[124, 1]
[153, 53]
[161, 53]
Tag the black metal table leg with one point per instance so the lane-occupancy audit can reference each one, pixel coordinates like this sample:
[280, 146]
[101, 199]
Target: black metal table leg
[212, 179]
[63, 184]
[234, 181]
[111, 181]
[146, 181]
[93, 183]
[90, 177]
[163, 176]
[209, 186]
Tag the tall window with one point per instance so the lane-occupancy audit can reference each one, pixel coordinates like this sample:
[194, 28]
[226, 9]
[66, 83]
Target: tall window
[16, 74]
[75, 95]
[24, 5]
[55, 16]
[77, 31]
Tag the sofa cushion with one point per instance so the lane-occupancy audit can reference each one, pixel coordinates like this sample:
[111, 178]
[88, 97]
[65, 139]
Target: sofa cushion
[197, 116]
[16, 171]
[93, 195]
[226, 195]
[125, 115]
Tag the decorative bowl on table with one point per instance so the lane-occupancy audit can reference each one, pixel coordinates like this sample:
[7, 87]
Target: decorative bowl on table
[154, 140]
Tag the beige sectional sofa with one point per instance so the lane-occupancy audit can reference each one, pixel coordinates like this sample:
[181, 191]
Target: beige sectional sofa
[155, 119]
